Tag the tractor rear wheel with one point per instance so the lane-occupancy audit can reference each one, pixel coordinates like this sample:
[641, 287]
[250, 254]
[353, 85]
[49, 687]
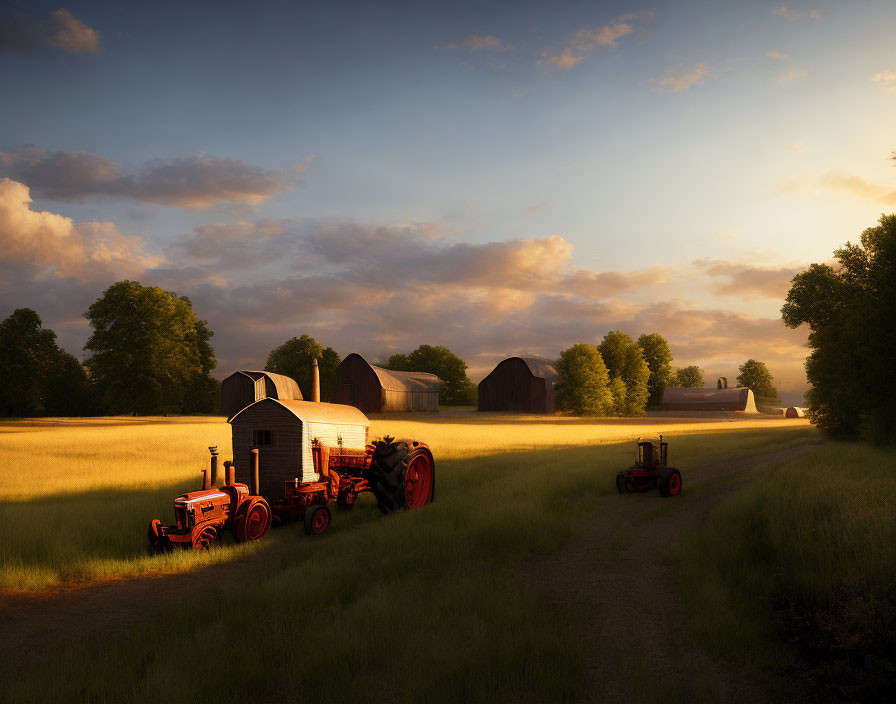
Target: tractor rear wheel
[670, 483]
[317, 518]
[253, 520]
[402, 475]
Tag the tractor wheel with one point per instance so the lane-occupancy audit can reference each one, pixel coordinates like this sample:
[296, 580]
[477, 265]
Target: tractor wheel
[203, 536]
[670, 483]
[157, 542]
[317, 518]
[620, 482]
[253, 520]
[402, 475]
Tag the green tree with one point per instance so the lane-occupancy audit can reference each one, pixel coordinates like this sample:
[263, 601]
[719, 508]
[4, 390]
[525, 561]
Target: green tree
[852, 323]
[659, 358]
[583, 381]
[39, 378]
[688, 377]
[150, 351]
[456, 390]
[625, 361]
[756, 376]
[294, 357]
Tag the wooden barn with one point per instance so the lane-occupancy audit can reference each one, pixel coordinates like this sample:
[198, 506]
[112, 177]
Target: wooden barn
[244, 387]
[708, 399]
[284, 432]
[376, 390]
[519, 384]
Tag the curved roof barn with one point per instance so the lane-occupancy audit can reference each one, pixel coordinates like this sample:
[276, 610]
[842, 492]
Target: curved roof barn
[245, 386]
[709, 399]
[519, 384]
[374, 389]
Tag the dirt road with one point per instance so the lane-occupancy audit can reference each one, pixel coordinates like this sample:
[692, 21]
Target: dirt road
[616, 575]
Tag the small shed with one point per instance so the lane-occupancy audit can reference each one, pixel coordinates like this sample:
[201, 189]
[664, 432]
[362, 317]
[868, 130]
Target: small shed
[709, 399]
[244, 387]
[284, 431]
[374, 389]
[795, 412]
[520, 384]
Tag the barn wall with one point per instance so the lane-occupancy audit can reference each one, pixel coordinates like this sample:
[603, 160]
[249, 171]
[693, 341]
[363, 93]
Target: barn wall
[358, 385]
[237, 392]
[277, 462]
[511, 387]
[409, 400]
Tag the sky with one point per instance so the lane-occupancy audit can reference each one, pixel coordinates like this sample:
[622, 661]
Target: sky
[500, 178]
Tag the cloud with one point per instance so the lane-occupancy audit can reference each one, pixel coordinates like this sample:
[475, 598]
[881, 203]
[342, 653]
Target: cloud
[58, 245]
[886, 79]
[789, 13]
[476, 42]
[749, 281]
[193, 182]
[840, 182]
[23, 31]
[792, 74]
[677, 80]
[584, 41]
[778, 55]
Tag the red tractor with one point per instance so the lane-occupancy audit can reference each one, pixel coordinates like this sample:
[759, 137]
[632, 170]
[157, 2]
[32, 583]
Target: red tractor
[201, 516]
[650, 469]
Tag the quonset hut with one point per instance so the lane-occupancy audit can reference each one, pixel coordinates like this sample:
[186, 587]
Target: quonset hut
[285, 431]
[244, 387]
[520, 384]
[377, 390]
[737, 399]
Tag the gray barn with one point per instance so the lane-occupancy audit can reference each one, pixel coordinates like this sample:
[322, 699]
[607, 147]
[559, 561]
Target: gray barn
[377, 390]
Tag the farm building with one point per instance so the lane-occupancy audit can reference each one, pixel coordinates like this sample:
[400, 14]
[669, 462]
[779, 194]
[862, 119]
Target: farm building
[520, 384]
[284, 432]
[737, 399]
[373, 389]
[795, 412]
[244, 387]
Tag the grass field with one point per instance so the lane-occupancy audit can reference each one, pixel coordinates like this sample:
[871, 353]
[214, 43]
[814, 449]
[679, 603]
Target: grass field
[418, 606]
[76, 495]
[797, 574]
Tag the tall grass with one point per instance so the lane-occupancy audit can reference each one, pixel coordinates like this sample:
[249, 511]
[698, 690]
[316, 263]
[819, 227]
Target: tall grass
[803, 563]
[76, 496]
[423, 606]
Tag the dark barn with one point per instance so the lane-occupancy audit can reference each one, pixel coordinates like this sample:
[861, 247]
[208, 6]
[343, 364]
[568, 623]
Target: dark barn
[519, 384]
[244, 387]
[377, 390]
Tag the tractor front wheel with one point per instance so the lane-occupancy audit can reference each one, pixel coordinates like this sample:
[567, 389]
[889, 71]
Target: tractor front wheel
[402, 475]
[317, 518]
[253, 520]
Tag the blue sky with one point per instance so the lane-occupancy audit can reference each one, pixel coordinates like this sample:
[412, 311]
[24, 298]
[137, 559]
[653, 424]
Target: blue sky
[548, 172]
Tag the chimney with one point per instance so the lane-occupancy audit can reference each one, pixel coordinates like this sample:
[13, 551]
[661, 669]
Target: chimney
[315, 381]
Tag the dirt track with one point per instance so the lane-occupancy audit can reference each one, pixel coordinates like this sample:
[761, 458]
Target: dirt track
[616, 575]
[615, 594]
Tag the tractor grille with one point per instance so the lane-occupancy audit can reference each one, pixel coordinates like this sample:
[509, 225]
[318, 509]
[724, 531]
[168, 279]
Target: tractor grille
[182, 515]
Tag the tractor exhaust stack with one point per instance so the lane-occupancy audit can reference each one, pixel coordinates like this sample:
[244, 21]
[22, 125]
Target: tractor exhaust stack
[315, 381]
[253, 473]
[214, 450]
[230, 473]
[206, 484]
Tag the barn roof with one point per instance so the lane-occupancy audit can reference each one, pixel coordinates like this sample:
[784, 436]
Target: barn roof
[540, 367]
[286, 386]
[402, 381]
[740, 397]
[315, 411]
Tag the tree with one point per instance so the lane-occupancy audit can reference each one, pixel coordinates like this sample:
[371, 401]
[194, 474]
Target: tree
[150, 351]
[39, 378]
[583, 381]
[658, 357]
[852, 322]
[457, 389]
[756, 377]
[688, 377]
[625, 361]
[294, 357]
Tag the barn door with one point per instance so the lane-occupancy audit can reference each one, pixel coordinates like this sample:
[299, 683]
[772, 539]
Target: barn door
[259, 389]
